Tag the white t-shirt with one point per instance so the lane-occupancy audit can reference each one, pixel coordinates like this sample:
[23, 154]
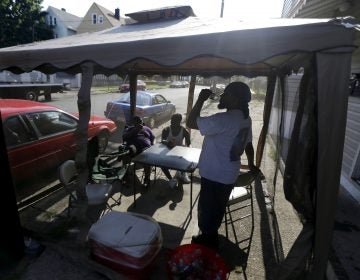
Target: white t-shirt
[220, 131]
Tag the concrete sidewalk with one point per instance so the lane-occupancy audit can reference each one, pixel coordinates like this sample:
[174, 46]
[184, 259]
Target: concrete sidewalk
[250, 255]
[66, 256]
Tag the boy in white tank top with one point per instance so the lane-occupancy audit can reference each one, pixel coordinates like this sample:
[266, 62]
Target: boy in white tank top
[174, 135]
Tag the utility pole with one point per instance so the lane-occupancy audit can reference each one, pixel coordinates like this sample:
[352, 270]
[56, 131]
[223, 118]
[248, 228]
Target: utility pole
[33, 30]
[222, 8]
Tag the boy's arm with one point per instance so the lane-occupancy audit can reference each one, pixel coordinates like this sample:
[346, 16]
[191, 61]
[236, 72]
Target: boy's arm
[164, 133]
[187, 137]
[130, 133]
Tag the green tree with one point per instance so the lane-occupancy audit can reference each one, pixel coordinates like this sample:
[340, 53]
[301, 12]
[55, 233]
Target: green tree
[21, 22]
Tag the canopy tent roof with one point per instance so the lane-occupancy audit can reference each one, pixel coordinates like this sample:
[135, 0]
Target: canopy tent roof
[184, 46]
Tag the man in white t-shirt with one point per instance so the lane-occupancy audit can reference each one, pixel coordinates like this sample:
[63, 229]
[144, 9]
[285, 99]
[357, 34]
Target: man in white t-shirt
[226, 136]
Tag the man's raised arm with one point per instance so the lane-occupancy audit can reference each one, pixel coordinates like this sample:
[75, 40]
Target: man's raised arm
[195, 112]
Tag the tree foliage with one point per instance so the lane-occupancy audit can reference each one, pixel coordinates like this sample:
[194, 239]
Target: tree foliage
[22, 21]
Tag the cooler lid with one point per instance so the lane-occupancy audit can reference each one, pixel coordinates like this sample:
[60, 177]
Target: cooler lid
[125, 232]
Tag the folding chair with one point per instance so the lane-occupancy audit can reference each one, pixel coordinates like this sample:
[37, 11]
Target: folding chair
[242, 192]
[111, 167]
[68, 178]
[96, 194]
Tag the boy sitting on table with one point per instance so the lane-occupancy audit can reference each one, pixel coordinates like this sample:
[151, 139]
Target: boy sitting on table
[174, 135]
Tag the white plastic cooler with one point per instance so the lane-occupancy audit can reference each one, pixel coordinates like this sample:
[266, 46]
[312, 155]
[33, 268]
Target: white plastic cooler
[126, 242]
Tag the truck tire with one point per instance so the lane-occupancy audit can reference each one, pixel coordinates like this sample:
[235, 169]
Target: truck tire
[48, 97]
[151, 122]
[31, 95]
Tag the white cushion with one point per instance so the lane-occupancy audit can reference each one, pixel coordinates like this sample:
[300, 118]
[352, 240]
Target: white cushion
[238, 194]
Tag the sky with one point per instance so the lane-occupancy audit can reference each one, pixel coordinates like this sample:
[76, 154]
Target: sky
[235, 9]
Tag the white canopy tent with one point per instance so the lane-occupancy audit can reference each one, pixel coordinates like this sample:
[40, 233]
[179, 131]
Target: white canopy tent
[185, 46]
[195, 46]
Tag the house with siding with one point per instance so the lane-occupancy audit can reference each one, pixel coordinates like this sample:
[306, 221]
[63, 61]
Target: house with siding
[99, 18]
[350, 174]
[64, 24]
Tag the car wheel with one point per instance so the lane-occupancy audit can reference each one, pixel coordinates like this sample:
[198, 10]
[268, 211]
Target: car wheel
[151, 122]
[31, 95]
[103, 139]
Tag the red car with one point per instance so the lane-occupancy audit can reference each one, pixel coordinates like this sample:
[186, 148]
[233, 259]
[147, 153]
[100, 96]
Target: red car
[39, 137]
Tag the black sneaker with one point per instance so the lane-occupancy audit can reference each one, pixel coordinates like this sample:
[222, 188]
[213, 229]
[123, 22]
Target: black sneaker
[209, 240]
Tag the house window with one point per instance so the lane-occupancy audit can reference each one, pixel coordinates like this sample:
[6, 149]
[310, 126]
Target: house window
[356, 171]
[15, 132]
[101, 19]
[50, 20]
[94, 19]
[54, 20]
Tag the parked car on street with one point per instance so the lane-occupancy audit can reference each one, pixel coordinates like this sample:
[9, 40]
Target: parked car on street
[141, 85]
[179, 84]
[175, 84]
[217, 90]
[152, 107]
[39, 137]
[185, 84]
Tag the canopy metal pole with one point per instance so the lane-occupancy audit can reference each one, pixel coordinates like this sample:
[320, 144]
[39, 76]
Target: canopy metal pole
[191, 96]
[266, 118]
[331, 135]
[12, 240]
[84, 107]
[133, 91]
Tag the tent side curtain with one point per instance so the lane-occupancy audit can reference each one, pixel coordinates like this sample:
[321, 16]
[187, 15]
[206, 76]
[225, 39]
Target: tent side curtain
[300, 174]
[288, 166]
[333, 71]
[305, 141]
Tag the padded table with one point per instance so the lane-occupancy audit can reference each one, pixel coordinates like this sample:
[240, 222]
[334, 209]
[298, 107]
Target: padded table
[179, 158]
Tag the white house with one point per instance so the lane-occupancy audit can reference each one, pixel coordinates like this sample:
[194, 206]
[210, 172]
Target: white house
[64, 23]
